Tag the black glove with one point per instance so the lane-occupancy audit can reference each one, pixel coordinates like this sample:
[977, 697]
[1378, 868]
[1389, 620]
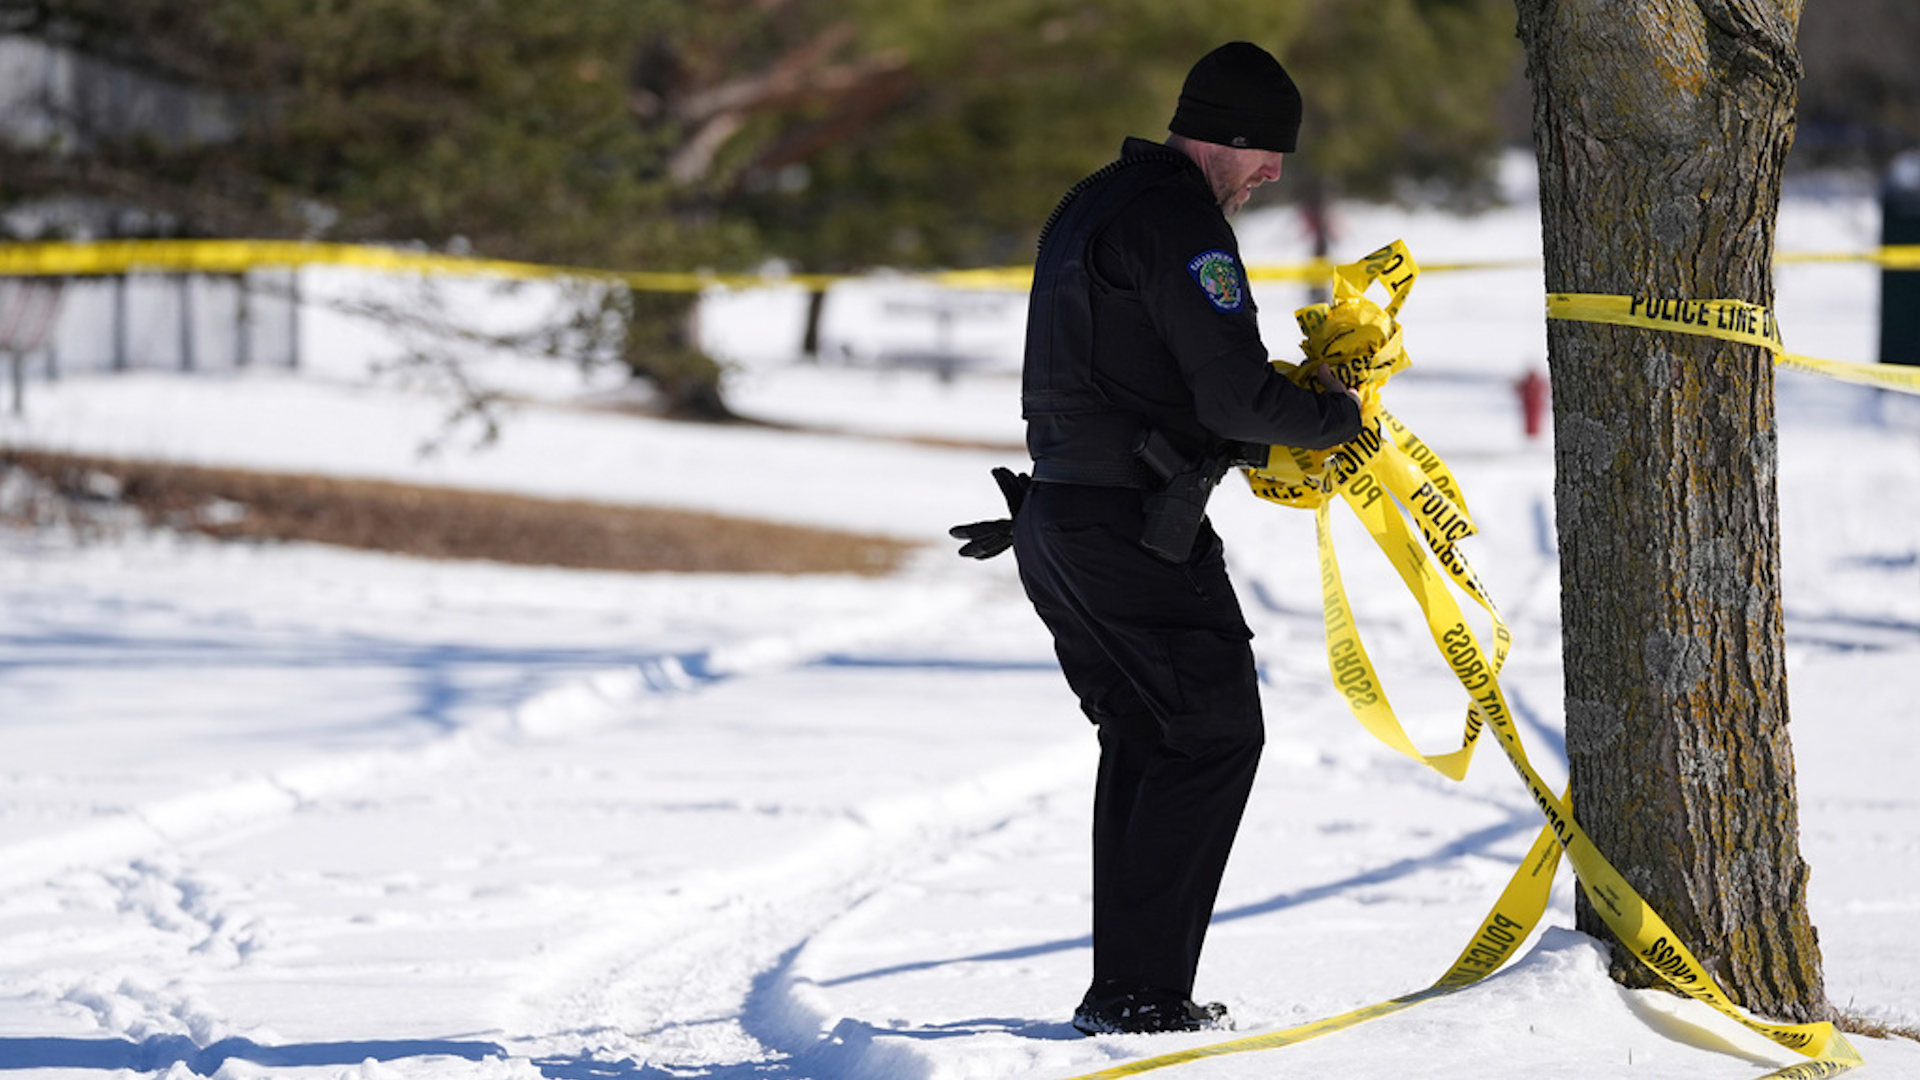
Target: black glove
[985, 539]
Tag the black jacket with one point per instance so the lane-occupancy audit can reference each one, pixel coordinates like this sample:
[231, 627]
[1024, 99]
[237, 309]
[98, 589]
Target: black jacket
[1140, 317]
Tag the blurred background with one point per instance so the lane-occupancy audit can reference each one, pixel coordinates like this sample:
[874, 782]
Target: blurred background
[733, 135]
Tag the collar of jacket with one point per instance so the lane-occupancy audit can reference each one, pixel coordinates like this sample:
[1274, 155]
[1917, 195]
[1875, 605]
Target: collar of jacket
[1136, 147]
[1133, 151]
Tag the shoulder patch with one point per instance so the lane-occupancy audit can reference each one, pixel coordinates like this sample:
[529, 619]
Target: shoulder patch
[1218, 274]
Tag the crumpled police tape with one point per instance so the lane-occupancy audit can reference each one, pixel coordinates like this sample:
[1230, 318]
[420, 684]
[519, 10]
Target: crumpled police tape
[1362, 343]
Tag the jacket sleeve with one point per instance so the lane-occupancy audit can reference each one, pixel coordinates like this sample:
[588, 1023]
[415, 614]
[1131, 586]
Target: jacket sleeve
[1183, 260]
[1254, 403]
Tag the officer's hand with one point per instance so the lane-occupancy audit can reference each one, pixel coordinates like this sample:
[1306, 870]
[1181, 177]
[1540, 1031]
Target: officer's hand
[1332, 383]
[985, 539]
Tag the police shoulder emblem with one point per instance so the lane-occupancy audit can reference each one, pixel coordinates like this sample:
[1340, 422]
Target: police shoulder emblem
[1218, 275]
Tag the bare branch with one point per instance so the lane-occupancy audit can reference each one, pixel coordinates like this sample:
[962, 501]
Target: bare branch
[804, 74]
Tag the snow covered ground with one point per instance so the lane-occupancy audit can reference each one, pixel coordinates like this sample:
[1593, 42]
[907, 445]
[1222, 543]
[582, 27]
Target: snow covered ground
[293, 811]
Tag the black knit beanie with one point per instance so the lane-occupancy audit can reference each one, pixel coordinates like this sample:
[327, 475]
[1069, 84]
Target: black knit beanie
[1239, 95]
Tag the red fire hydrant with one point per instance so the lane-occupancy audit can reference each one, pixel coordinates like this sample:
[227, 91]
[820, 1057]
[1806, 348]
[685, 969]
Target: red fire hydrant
[1532, 388]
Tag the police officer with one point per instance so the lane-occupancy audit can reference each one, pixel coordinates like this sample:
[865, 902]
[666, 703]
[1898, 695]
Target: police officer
[1144, 374]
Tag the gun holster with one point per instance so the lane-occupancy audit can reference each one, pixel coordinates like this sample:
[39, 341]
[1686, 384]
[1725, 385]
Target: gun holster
[1173, 513]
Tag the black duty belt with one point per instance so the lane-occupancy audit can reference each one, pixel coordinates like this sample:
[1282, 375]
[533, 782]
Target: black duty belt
[1120, 474]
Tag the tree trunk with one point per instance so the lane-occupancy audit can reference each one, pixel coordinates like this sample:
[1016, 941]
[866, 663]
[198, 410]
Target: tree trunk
[1662, 129]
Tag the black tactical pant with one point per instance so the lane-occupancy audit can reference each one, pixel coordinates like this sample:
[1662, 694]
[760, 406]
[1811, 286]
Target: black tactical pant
[1158, 655]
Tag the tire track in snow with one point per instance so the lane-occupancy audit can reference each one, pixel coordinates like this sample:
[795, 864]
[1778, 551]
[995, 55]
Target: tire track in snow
[661, 976]
[569, 710]
[137, 863]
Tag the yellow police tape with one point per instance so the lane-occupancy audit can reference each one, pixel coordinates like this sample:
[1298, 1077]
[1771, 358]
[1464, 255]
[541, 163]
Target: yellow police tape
[239, 256]
[1727, 320]
[1362, 343]
[97, 258]
[92, 258]
[1893, 257]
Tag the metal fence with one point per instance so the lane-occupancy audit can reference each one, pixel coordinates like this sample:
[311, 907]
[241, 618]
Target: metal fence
[52, 327]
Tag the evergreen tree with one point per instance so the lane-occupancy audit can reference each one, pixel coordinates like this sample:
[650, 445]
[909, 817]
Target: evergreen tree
[1013, 100]
[662, 135]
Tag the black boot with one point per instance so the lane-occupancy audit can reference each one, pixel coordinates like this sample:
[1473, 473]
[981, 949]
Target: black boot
[1111, 1010]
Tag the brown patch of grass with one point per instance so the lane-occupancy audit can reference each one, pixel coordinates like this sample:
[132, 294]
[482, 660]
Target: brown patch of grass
[938, 442]
[442, 523]
[1874, 1029]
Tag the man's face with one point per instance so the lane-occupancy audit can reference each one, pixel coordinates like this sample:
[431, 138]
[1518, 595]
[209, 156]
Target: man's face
[1234, 173]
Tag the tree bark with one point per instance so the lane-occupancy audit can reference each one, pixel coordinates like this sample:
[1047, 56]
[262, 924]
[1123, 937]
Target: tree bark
[1662, 129]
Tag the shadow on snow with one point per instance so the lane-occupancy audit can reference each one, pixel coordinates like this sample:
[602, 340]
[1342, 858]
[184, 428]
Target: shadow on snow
[162, 1052]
